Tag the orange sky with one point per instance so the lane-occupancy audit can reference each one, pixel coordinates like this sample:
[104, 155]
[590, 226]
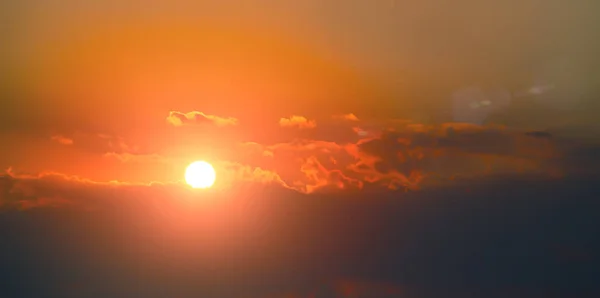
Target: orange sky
[135, 97]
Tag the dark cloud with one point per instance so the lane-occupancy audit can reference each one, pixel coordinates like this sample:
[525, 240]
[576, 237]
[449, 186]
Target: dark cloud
[539, 134]
[418, 154]
[505, 235]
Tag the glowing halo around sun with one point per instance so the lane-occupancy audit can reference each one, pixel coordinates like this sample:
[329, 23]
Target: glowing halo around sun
[200, 174]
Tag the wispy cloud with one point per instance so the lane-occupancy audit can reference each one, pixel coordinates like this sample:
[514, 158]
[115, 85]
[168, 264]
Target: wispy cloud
[195, 118]
[347, 117]
[62, 140]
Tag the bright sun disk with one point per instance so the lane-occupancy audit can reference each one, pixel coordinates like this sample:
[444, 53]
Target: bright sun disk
[200, 174]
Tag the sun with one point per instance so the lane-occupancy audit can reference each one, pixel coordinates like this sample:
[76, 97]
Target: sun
[200, 174]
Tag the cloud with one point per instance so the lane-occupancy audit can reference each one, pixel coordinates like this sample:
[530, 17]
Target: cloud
[298, 122]
[348, 117]
[196, 118]
[539, 134]
[351, 156]
[418, 154]
[118, 144]
[305, 165]
[400, 155]
[62, 140]
[474, 104]
[137, 158]
[407, 157]
[27, 191]
[51, 189]
[99, 143]
[232, 174]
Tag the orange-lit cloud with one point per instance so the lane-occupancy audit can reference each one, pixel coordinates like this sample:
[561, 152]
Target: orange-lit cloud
[407, 157]
[298, 122]
[62, 140]
[179, 119]
[234, 174]
[348, 117]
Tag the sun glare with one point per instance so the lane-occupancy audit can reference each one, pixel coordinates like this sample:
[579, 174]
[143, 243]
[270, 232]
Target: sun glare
[200, 174]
